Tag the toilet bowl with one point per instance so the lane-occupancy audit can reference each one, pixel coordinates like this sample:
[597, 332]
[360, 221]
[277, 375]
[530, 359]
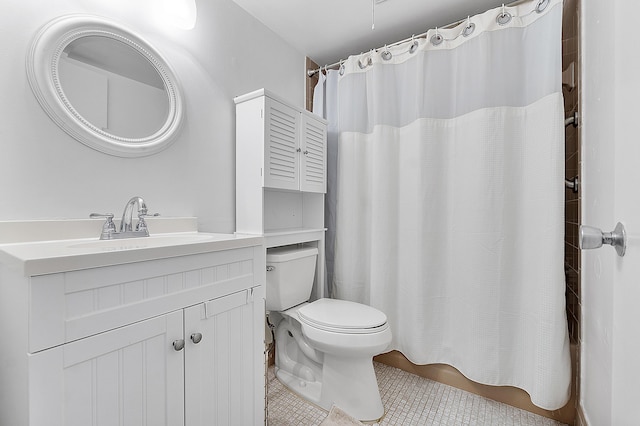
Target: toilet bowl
[324, 349]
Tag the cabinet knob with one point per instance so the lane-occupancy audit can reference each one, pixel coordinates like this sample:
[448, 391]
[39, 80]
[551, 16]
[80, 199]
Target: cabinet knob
[196, 337]
[178, 345]
[305, 152]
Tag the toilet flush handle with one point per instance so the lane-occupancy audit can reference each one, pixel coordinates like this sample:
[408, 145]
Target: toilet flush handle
[270, 268]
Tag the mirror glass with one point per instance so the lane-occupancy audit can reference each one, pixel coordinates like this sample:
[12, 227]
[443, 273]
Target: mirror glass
[105, 86]
[113, 87]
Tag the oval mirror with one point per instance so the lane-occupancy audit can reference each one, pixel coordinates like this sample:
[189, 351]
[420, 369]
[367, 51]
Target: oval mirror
[105, 86]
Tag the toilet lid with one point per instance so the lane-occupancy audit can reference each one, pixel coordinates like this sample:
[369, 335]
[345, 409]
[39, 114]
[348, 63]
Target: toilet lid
[342, 315]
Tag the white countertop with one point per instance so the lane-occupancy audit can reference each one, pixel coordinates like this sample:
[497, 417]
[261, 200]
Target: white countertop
[52, 256]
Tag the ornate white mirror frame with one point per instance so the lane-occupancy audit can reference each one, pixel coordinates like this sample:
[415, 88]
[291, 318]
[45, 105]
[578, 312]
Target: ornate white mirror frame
[42, 71]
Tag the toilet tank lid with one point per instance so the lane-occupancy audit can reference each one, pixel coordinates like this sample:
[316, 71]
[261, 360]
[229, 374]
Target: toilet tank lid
[341, 314]
[287, 253]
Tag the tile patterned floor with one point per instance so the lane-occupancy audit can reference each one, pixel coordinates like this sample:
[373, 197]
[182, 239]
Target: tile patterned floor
[408, 400]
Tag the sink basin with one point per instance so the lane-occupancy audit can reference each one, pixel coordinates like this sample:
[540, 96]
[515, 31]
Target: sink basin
[162, 240]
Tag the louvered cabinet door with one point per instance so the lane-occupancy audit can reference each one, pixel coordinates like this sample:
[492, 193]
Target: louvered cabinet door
[282, 127]
[313, 167]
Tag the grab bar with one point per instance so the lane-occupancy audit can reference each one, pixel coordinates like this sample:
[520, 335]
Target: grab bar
[572, 120]
[572, 183]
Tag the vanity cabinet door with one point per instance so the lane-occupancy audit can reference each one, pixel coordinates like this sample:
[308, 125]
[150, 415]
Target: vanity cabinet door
[223, 370]
[128, 376]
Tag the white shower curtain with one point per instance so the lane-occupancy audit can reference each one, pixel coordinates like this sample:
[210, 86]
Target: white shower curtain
[450, 197]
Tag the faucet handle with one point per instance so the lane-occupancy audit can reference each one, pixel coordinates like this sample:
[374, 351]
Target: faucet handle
[144, 214]
[108, 228]
[108, 216]
[142, 225]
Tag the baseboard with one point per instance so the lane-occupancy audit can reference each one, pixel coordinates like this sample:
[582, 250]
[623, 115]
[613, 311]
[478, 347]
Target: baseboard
[448, 375]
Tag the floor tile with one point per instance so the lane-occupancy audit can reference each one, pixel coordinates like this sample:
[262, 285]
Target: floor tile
[408, 400]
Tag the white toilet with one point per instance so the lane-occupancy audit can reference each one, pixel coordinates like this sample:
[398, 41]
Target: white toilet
[324, 349]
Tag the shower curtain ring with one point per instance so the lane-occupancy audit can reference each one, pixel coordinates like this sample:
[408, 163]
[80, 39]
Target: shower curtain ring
[363, 64]
[542, 5]
[414, 44]
[436, 39]
[386, 54]
[503, 17]
[469, 28]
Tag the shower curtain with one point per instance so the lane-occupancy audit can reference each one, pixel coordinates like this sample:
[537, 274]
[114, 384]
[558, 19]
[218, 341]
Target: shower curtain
[449, 196]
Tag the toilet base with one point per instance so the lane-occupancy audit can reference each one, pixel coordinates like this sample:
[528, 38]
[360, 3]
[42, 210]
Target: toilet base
[310, 391]
[348, 383]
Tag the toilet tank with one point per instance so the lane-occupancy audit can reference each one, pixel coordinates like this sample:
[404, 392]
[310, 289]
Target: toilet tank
[290, 273]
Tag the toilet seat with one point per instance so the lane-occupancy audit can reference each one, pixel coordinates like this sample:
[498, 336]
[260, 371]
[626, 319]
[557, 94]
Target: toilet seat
[342, 316]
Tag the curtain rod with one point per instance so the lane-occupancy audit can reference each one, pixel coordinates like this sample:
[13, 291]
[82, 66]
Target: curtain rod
[312, 72]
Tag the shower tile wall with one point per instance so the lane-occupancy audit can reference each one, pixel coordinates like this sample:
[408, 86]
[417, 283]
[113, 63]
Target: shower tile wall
[572, 167]
[571, 53]
[310, 84]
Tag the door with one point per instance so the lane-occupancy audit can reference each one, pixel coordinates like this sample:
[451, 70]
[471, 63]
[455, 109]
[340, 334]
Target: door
[221, 370]
[610, 337]
[128, 376]
[281, 168]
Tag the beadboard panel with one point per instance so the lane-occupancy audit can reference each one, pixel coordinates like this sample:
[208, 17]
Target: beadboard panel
[76, 304]
[226, 362]
[124, 376]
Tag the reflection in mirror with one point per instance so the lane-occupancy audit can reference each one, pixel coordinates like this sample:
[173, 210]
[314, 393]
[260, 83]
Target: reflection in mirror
[113, 87]
[105, 86]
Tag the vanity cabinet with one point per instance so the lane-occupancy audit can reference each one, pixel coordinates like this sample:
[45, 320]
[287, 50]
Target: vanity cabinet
[281, 156]
[167, 341]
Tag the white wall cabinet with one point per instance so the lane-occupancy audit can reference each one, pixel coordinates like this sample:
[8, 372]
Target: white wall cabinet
[288, 143]
[103, 346]
[281, 156]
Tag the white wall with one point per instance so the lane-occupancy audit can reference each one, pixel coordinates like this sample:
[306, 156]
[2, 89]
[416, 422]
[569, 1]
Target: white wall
[610, 288]
[46, 174]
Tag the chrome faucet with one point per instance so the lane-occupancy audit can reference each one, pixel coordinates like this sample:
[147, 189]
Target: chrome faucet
[126, 224]
[127, 215]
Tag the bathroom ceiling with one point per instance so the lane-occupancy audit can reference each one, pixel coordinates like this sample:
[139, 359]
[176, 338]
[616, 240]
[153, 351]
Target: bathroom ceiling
[330, 30]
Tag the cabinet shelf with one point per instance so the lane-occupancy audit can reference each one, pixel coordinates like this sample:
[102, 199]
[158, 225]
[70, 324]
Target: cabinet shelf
[283, 237]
